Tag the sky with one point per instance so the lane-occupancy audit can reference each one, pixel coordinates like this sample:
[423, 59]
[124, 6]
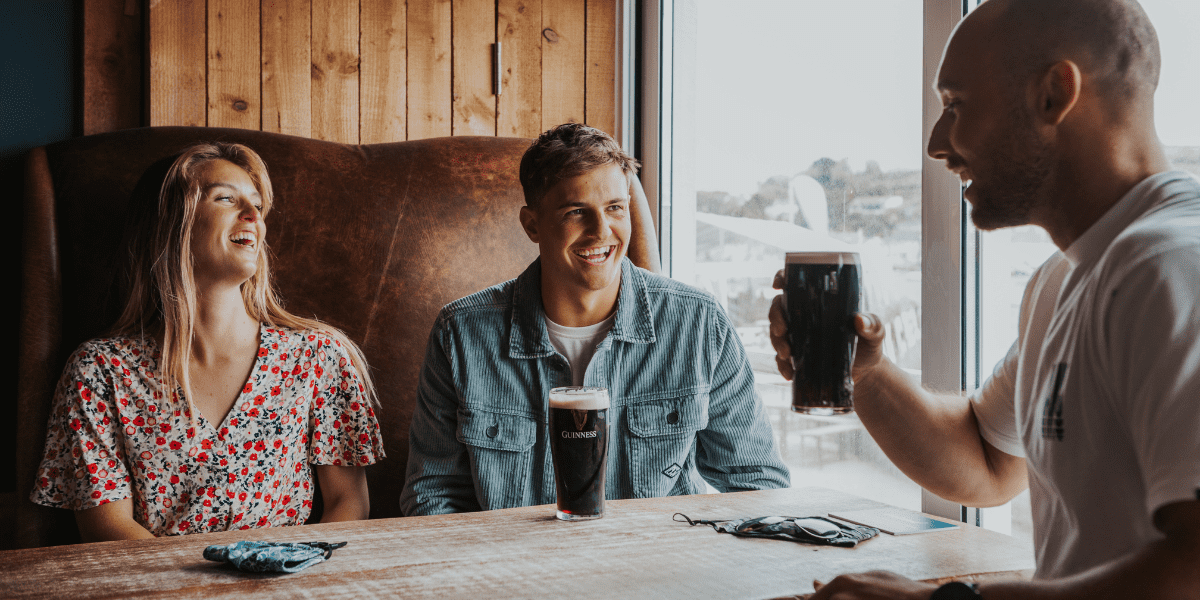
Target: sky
[780, 84]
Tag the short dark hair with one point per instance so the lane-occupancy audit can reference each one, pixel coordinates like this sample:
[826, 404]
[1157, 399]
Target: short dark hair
[566, 151]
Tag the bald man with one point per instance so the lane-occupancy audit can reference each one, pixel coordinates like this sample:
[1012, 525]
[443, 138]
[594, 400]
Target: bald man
[1048, 114]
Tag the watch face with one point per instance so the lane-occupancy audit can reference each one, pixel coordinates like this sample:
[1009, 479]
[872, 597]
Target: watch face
[956, 590]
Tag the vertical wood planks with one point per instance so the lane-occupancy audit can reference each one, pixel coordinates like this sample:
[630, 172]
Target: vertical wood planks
[384, 47]
[234, 65]
[112, 65]
[335, 70]
[563, 29]
[519, 29]
[473, 33]
[601, 90]
[177, 63]
[287, 67]
[429, 85]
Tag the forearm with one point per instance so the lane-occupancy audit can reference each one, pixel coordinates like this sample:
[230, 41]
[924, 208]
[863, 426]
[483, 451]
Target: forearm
[109, 522]
[344, 493]
[1164, 569]
[934, 439]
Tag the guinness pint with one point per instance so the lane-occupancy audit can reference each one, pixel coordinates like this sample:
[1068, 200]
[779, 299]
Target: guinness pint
[821, 293]
[579, 446]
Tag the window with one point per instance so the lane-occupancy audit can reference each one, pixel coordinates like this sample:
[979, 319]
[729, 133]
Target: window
[766, 112]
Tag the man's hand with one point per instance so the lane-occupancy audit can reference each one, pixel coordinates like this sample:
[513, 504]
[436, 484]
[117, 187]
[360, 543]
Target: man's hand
[867, 356]
[874, 585]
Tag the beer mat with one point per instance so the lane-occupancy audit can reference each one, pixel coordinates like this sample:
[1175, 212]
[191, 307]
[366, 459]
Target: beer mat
[894, 521]
[805, 530]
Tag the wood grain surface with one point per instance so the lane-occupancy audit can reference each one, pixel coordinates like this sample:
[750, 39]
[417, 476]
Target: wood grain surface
[601, 89]
[287, 67]
[519, 29]
[335, 70]
[564, 27]
[112, 65]
[178, 69]
[635, 551]
[474, 34]
[234, 65]
[429, 102]
[384, 47]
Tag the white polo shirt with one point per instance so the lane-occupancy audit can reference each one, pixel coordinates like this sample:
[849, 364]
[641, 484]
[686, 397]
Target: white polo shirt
[1101, 391]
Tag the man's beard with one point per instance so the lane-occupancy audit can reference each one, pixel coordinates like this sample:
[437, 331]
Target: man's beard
[1021, 167]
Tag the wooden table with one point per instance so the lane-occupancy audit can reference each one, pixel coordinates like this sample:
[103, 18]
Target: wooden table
[635, 551]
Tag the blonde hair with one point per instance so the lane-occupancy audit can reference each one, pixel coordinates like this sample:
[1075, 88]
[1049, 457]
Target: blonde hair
[162, 295]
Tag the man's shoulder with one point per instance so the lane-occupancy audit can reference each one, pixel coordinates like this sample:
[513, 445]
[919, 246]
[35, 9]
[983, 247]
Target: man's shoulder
[498, 297]
[1166, 234]
[664, 289]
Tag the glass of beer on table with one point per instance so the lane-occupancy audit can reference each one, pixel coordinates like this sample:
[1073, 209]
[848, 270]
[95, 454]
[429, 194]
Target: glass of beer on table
[821, 294]
[579, 447]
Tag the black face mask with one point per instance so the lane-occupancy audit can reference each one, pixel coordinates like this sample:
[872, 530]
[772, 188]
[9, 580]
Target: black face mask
[806, 530]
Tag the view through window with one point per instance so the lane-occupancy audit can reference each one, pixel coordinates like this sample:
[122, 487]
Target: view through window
[797, 126]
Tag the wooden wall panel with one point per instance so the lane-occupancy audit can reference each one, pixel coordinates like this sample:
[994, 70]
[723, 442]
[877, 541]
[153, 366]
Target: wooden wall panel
[473, 33]
[335, 70]
[601, 66]
[177, 63]
[287, 67]
[564, 25]
[234, 64]
[384, 47]
[429, 84]
[112, 65]
[519, 107]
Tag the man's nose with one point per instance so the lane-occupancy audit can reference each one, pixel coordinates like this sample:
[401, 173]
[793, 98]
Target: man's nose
[939, 140]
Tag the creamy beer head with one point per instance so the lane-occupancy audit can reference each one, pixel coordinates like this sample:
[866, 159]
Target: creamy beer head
[579, 398]
[822, 258]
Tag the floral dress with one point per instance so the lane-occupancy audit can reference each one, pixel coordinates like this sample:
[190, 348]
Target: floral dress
[112, 435]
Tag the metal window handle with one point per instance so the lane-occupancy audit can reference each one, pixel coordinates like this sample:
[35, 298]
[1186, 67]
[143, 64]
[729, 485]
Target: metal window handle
[496, 70]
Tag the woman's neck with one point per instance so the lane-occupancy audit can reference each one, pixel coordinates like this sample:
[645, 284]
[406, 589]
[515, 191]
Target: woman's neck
[223, 327]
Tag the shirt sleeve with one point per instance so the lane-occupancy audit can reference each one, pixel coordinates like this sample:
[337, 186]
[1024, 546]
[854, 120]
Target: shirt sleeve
[1153, 354]
[439, 478]
[83, 461]
[736, 451]
[344, 431]
[995, 408]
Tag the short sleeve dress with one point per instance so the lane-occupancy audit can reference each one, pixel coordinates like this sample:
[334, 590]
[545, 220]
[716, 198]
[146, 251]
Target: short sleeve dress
[112, 435]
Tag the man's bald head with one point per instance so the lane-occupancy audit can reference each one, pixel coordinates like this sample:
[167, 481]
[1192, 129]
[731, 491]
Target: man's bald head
[1112, 42]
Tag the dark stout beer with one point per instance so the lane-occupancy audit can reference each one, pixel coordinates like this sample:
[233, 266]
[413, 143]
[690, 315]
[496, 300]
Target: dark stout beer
[821, 292]
[579, 445]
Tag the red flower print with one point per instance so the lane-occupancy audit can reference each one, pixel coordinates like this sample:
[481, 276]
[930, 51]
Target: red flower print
[110, 485]
[175, 445]
[275, 391]
[75, 424]
[258, 477]
[174, 479]
[212, 523]
[259, 399]
[275, 370]
[206, 444]
[139, 421]
[160, 441]
[262, 351]
[164, 428]
[86, 394]
[248, 388]
[291, 512]
[191, 432]
[101, 407]
[260, 445]
[92, 468]
[96, 494]
[278, 444]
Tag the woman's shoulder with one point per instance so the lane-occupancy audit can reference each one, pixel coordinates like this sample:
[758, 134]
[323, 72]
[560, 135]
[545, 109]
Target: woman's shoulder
[301, 339]
[121, 349]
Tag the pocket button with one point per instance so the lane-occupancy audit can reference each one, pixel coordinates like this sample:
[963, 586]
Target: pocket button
[492, 431]
[673, 417]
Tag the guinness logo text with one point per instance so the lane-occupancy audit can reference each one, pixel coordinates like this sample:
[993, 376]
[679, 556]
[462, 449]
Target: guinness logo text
[574, 435]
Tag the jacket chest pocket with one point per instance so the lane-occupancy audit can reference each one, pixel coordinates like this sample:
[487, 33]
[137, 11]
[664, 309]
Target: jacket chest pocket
[500, 447]
[662, 443]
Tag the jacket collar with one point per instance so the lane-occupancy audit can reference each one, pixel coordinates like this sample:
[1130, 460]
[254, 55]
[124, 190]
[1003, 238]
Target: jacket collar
[528, 337]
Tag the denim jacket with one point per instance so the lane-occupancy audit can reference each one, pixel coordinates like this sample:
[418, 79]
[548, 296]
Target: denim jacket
[682, 397]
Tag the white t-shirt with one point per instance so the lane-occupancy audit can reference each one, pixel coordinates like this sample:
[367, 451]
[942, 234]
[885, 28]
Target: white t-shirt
[578, 344]
[1101, 391]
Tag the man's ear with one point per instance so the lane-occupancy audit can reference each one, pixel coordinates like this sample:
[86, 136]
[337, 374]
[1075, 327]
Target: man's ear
[529, 223]
[1058, 91]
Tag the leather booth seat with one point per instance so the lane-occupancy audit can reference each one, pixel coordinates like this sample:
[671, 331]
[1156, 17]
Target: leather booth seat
[373, 239]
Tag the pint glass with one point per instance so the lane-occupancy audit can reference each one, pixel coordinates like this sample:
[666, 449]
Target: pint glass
[821, 293]
[579, 446]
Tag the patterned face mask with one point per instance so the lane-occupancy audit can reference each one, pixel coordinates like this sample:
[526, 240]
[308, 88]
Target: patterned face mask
[272, 557]
[806, 530]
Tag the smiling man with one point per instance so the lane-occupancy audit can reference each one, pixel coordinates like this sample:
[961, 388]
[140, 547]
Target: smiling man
[683, 409]
[1049, 120]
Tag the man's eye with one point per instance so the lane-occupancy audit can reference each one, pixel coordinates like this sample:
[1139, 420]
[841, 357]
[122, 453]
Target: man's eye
[575, 213]
[616, 208]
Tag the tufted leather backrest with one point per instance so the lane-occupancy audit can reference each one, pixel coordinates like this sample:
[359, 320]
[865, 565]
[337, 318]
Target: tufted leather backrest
[372, 239]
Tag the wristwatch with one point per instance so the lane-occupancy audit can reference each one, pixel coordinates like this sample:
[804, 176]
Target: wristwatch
[957, 590]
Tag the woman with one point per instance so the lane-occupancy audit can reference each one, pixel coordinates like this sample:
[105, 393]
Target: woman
[205, 409]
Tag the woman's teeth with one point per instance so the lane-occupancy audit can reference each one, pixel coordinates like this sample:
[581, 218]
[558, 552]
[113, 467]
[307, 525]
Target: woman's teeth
[244, 238]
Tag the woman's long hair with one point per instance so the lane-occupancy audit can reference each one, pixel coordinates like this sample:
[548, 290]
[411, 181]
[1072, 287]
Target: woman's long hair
[162, 295]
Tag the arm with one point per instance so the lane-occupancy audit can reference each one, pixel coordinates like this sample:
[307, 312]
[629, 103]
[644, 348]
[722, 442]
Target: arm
[439, 477]
[110, 521]
[344, 492]
[736, 451]
[1163, 569]
[933, 438]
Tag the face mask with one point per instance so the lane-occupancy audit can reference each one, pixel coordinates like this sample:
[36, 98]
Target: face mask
[806, 530]
[272, 557]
